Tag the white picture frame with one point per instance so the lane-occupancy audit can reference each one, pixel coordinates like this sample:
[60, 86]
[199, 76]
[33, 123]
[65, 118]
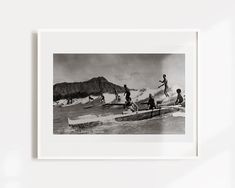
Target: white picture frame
[52, 146]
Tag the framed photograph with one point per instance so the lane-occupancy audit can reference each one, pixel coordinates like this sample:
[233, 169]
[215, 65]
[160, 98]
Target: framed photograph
[117, 94]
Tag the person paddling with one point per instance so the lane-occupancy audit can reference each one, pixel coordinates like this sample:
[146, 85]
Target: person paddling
[131, 106]
[179, 99]
[151, 102]
[164, 83]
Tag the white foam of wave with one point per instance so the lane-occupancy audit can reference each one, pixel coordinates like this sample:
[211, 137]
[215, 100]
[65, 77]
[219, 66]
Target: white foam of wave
[145, 94]
[136, 95]
[178, 114]
[81, 100]
[172, 96]
[85, 100]
[61, 102]
[109, 97]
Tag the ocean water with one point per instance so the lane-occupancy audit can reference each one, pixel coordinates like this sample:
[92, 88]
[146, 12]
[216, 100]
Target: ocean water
[171, 123]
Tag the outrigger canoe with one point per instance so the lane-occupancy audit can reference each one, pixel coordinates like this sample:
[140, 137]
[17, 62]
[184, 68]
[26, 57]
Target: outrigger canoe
[94, 120]
[104, 105]
[113, 104]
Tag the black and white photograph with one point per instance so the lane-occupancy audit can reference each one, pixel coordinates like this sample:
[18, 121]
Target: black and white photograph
[117, 94]
[122, 93]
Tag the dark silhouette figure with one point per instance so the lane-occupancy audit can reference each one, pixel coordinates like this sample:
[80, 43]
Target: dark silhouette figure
[164, 83]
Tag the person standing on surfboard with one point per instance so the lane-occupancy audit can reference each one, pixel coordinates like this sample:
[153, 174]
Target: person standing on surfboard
[102, 99]
[127, 93]
[164, 83]
[117, 97]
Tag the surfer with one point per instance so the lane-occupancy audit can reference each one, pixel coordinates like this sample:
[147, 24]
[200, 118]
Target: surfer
[117, 97]
[179, 99]
[127, 93]
[131, 106]
[102, 99]
[69, 100]
[151, 102]
[90, 98]
[164, 83]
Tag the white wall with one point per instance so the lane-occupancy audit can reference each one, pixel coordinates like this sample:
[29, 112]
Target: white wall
[216, 165]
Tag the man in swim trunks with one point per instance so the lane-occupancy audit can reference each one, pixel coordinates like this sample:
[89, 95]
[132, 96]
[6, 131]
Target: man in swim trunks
[151, 102]
[127, 92]
[130, 105]
[179, 99]
[117, 97]
[164, 83]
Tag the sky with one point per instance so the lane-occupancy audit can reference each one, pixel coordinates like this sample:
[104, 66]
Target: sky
[135, 70]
